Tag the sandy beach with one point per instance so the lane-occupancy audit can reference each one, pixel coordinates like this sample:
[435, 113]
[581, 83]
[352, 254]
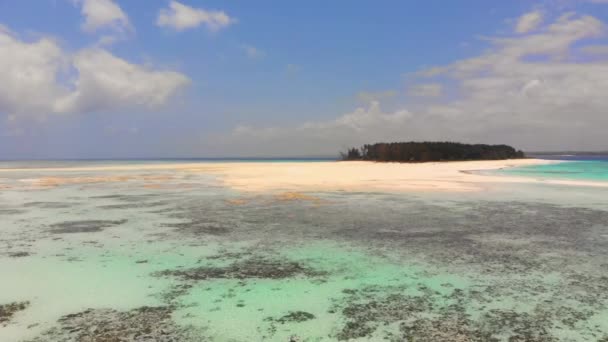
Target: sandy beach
[316, 176]
[368, 176]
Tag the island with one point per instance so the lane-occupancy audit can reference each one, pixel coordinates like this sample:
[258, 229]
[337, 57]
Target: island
[427, 151]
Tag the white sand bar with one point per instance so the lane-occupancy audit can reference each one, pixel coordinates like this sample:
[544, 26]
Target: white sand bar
[343, 176]
[371, 176]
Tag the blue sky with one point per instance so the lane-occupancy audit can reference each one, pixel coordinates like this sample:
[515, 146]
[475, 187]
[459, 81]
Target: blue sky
[267, 78]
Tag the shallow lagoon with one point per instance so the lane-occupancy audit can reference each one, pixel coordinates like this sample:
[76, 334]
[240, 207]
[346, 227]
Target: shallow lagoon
[175, 256]
[588, 170]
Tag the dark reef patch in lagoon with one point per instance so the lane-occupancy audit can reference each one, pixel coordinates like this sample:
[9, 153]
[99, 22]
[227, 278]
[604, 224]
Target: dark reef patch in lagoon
[11, 211]
[133, 205]
[367, 309]
[7, 311]
[432, 316]
[107, 196]
[493, 236]
[197, 221]
[128, 198]
[201, 227]
[253, 268]
[20, 254]
[293, 316]
[107, 325]
[85, 226]
[48, 205]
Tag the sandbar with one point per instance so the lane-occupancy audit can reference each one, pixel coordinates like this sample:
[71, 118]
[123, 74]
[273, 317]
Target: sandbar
[329, 176]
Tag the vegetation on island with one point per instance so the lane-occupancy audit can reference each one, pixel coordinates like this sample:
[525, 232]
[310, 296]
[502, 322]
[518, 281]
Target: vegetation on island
[430, 151]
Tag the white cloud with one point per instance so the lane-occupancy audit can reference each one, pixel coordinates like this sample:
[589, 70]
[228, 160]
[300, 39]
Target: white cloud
[359, 120]
[363, 118]
[108, 82]
[532, 90]
[595, 49]
[103, 14]
[181, 17]
[40, 78]
[529, 90]
[29, 73]
[529, 87]
[252, 52]
[426, 90]
[529, 22]
[364, 124]
[369, 96]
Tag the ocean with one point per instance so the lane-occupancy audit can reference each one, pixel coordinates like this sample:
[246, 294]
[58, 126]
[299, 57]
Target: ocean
[166, 255]
[575, 167]
[62, 163]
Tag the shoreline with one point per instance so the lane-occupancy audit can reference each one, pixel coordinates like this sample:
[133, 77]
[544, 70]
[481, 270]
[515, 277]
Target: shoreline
[334, 176]
[161, 165]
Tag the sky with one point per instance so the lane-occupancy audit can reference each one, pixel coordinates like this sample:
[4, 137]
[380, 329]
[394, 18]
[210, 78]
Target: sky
[190, 78]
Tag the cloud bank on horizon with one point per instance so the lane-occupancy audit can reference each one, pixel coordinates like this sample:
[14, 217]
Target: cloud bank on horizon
[540, 85]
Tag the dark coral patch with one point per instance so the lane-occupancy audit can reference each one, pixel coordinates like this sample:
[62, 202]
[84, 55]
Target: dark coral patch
[431, 316]
[133, 205]
[48, 205]
[295, 316]
[11, 211]
[85, 226]
[257, 267]
[7, 311]
[127, 198]
[20, 254]
[367, 310]
[201, 227]
[107, 325]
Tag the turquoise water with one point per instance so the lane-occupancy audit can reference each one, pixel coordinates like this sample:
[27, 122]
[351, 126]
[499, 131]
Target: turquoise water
[578, 170]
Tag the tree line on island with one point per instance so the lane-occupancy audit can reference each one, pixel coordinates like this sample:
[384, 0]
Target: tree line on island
[430, 151]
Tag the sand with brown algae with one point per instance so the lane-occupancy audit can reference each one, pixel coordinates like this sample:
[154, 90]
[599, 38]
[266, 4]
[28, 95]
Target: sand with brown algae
[329, 176]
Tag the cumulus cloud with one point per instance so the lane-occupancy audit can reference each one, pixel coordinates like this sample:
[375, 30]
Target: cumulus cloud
[29, 74]
[369, 96]
[364, 124]
[532, 90]
[528, 22]
[180, 17]
[40, 78]
[100, 14]
[106, 81]
[426, 90]
[360, 120]
[363, 118]
[595, 49]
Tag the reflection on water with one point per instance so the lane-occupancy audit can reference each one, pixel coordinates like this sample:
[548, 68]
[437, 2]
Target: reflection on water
[144, 257]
